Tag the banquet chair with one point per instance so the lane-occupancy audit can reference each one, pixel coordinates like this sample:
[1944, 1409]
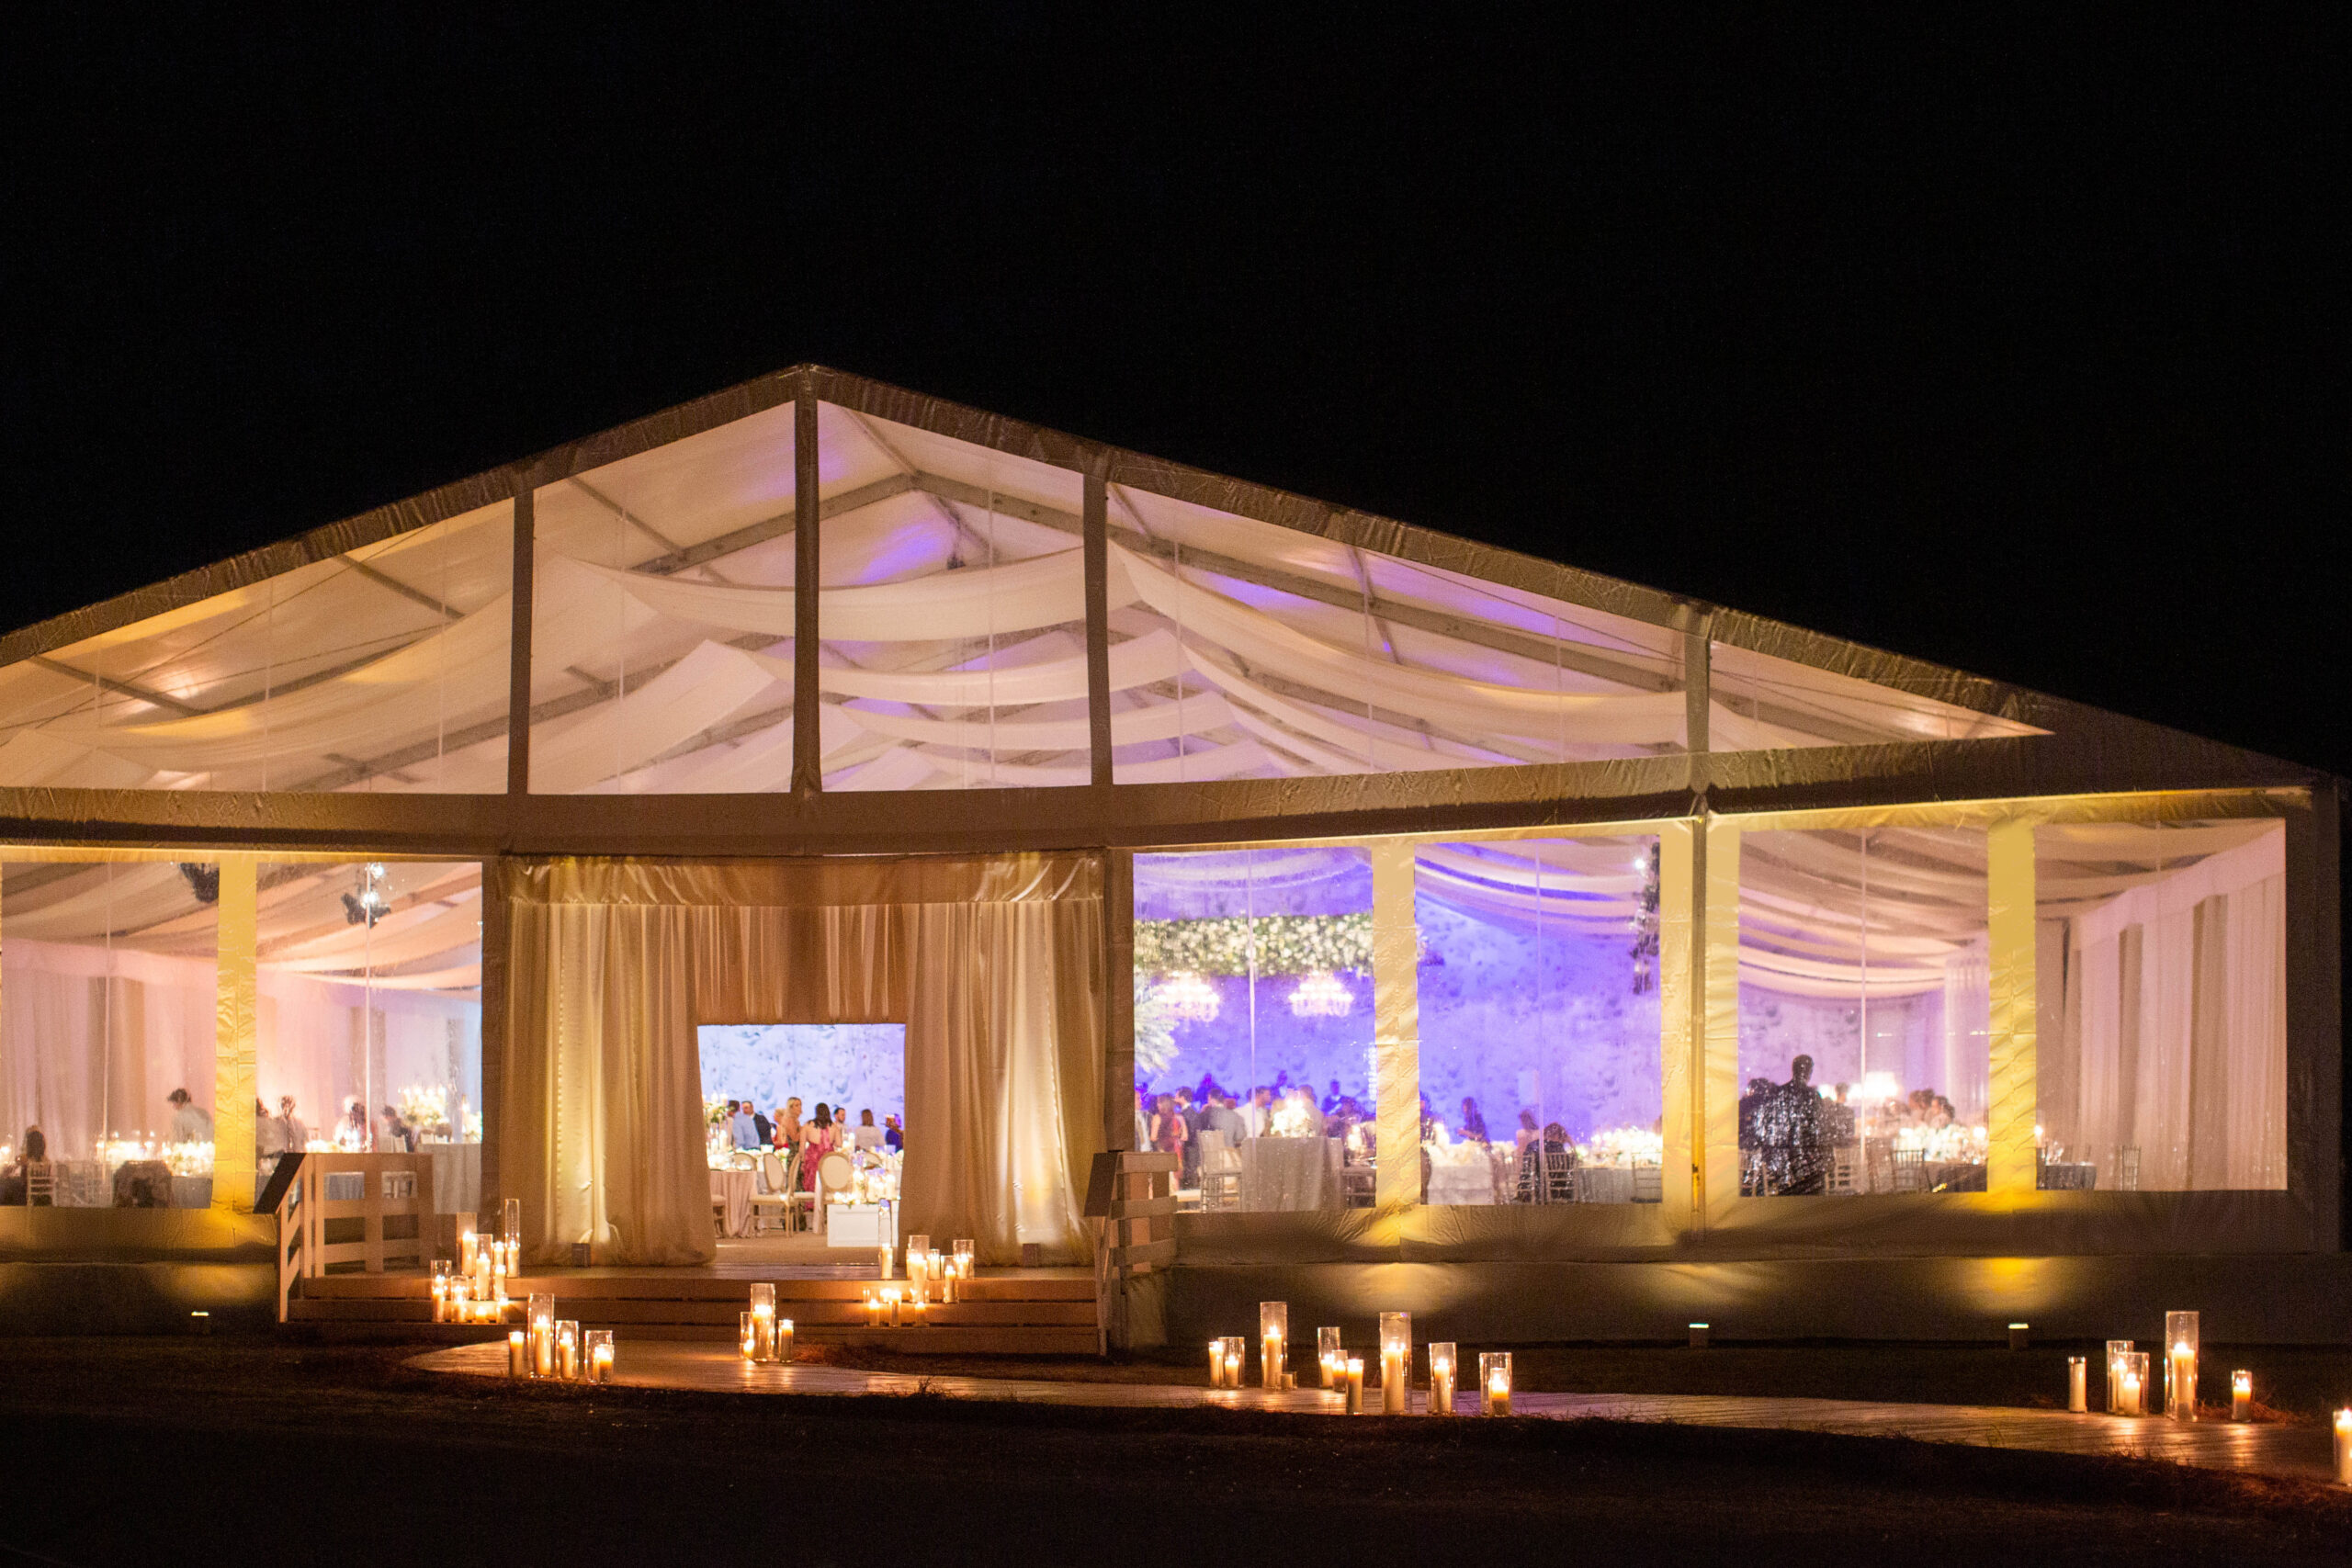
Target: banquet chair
[1844, 1166]
[834, 1174]
[1910, 1170]
[1359, 1187]
[1558, 1167]
[1649, 1184]
[774, 1195]
[1220, 1171]
[40, 1184]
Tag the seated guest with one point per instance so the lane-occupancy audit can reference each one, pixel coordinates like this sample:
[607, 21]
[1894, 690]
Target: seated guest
[1557, 1155]
[1527, 1133]
[1331, 1100]
[400, 1137]
[1473, 1125]
[868, 1136]
[16, 1183]
[1837, 1119]
[894, 1137]
[191, 1124]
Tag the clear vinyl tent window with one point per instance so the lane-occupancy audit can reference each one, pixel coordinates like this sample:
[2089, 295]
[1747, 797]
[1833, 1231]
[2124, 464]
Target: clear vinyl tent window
[1241, 649]
[108, 1006]
[1864, 1012]
[384, 668]
[2161, 1002]
[1253, 992]
[1540, 1029]
[368, 1014]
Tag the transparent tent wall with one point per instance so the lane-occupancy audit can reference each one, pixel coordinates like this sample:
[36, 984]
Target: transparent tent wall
[106, 1009]
[2162, 1027]
[369, 1012]
[383, 668]
[1864, 1012]
[1241, 649]
[1540, 1040]
[1253, 990]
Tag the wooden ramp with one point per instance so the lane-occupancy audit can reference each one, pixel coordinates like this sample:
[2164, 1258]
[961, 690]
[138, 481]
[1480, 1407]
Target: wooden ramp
[1037, 1312]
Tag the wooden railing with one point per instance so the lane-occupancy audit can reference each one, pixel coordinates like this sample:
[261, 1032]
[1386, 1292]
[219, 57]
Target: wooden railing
[331, 1217]
[1130, 1200]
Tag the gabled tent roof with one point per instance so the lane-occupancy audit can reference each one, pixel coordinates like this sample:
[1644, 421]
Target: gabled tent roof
[1297, 637]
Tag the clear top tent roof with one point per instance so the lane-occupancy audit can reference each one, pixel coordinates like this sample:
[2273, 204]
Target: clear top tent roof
[952, 625]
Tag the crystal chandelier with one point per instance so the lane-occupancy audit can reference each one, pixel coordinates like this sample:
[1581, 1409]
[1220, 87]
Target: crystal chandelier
[1321, 995]
[1188, 999]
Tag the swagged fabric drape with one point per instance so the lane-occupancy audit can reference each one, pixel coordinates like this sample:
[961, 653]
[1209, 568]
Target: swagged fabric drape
[994, 965]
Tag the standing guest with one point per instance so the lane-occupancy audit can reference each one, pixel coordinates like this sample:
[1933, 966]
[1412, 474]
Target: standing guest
[1167, 1127]
[894, 1137]
[1473, 1125]
[1258, 1112]
[739, 1123]
[787, 1124]
[1837, 1119]
[291, 1128]
[1223, 1119]
[1331, 1099]
[399, 1136]
[819, 1138]
[191, 1124]
[868, 1136]
[1190, 1175]
[353, 1133]
[761, 1125]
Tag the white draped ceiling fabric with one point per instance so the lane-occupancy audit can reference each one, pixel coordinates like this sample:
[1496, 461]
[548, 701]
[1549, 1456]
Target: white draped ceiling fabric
[993, 966]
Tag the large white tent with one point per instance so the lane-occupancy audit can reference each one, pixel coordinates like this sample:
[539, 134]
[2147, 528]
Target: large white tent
[791, 609]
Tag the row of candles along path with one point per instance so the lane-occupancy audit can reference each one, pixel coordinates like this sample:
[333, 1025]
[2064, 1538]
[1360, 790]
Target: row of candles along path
[1343, 1373]
[928, 1269]
[544, 1348]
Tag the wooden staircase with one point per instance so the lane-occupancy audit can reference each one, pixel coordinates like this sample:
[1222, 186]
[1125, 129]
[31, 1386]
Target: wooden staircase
[1020, 1311]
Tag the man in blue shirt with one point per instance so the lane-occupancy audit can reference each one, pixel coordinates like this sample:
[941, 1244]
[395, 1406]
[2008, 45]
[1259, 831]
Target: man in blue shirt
[746, 1131]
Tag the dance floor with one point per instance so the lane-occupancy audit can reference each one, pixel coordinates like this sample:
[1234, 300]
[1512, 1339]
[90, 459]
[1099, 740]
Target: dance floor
[2297, 1452]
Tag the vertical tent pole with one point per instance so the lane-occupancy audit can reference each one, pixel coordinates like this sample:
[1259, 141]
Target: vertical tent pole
[808, 744]
[2008, 853]
[1396, 1009]
[1681, 993]
[1097, 535]
[235, 1049]
[1119, 999]
[518, 651]
[1718, 1076]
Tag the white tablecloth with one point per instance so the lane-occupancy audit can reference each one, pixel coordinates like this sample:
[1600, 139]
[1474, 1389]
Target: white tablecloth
[1470, 1183]
[457, 1178]
[732, 1189]
[861, 1225]
[1604, 1184]
[1290, 1173]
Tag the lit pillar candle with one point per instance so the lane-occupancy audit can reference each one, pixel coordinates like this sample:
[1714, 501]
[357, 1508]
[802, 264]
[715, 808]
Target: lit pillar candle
[600, 1355]
[2078, 1378]
[784, 1340]
[2344, 1446]
[1334, 1359]
[1216, 1363]
[441, 1298]
[873, 1308]
[566, 1351]
[2241, 1395]
[518, 1355]
[764, 1321]
[540, 1319]
[2180, 1383]
[1396, 1360]
[1494, 1382]
[965, 1257]
[468, 1244]
[882, 1260]
[1442, 1378]
[890, 1301]
[1273, 1344]
[750, 1335]
[2130, 1402]
[2116, 1350]
[1355, 1385]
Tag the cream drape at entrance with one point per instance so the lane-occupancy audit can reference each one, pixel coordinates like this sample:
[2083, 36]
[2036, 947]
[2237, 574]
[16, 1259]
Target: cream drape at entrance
[994, 965]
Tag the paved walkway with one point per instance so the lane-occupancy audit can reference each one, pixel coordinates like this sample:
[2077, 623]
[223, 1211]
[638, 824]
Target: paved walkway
[2298, 1452]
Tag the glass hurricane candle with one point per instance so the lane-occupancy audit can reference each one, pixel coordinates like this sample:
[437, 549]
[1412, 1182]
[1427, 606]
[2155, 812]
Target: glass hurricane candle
[566, 1351]
[1396, 1360]
[2078, 1378]
[2241, 1395]
[2135, 1383]
[2180, 1365]
[1334, 1359]
[2344, 1446]
[2116, 1350]
[440, 1289]
[1355, 1385]
[965, 1254]
[468, 1248]
[764, 1321]
[748, 1336]
[1442, 1378]
[600, 1355]
[518, 1355]
[510, 1230]
[539, 1317]
[1274, 1343]
[1494, 1382]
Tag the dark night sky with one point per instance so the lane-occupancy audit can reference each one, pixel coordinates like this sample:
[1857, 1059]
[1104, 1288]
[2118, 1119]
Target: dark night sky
[2018, 346]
